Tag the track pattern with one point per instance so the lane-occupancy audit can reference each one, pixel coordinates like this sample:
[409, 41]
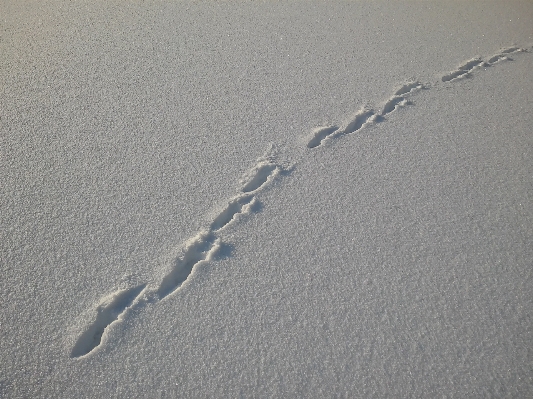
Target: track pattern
[204, 246]
[110, 310]
[367, 116]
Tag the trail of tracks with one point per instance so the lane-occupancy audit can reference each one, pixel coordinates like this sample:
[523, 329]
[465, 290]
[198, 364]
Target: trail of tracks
[204, 246]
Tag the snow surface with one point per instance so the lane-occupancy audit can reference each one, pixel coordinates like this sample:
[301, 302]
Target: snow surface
[262, 199]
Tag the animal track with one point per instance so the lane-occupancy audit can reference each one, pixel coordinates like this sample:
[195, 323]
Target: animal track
[365, 116]
[463, 70]
[392, 104]
[398, 100]
[236, 206]
[497, 58]
[408, 88]
[262, 172]
[319, 134]
[108, 311]
[503, 55]
[202, 247]
[205, 245]
[359, 120]
[510, 50]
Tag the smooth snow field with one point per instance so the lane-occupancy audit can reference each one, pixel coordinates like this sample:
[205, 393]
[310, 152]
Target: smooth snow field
[236, 199]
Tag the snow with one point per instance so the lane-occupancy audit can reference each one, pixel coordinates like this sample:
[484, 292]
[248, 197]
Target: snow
[244, 199]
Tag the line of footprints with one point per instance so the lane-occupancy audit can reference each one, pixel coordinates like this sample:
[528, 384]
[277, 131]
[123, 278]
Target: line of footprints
[204, 246]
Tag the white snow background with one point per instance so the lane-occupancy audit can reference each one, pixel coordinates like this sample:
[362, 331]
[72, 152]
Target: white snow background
[144, 143]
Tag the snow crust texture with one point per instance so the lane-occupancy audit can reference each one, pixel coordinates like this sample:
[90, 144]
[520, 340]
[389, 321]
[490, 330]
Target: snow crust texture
[381, 246]
[206, 244]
